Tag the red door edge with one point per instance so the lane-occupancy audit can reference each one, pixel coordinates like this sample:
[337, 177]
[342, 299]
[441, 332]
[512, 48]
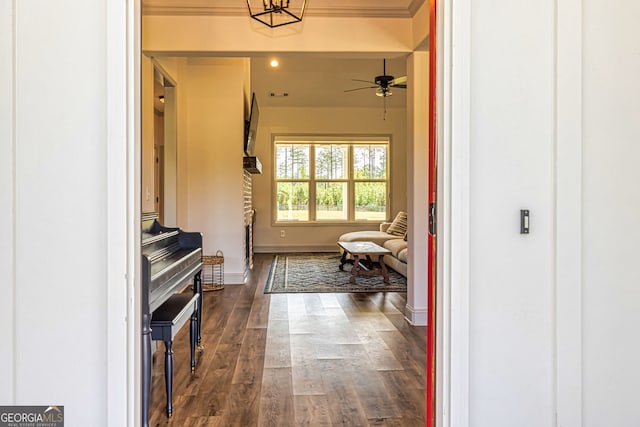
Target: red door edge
[431, 240]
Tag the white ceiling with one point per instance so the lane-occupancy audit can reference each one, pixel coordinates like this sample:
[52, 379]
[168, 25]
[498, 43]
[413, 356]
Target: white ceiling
[318, 80]
[322, 81]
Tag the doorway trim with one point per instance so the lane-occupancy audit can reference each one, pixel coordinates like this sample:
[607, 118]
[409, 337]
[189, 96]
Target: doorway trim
[123, 35]
[168, 180]
[453, 130]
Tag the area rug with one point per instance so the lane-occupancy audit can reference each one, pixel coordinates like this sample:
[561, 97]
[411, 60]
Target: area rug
[319, 272]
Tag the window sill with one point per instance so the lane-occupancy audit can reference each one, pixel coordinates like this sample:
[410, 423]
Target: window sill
[325, 223]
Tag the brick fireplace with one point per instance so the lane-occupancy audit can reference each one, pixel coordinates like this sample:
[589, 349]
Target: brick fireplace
[249, 219]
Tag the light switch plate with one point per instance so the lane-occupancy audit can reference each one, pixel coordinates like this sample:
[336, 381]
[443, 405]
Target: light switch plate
[524, 221]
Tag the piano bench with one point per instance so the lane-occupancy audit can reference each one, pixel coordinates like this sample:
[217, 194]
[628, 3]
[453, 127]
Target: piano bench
[166, 321]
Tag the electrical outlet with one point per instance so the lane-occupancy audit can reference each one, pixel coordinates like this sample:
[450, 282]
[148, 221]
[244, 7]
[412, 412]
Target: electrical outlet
[282, 235]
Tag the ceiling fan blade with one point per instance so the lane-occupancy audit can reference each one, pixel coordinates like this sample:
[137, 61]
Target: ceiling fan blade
[399, 81]
[365, 81]
[360, 88]
[398, 86]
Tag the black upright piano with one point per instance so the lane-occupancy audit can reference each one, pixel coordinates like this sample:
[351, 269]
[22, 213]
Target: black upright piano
[171, 258]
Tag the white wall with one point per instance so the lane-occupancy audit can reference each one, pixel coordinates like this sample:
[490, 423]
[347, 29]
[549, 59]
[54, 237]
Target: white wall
[148, 138]
[511, 311]
[7, 216]
[544, 108]
[359, 121]
[420, 26]
[210, 150]
[60, 126]
[226, 35]
[209, 103]
[418, 186]
[59, 155]
[611, 206]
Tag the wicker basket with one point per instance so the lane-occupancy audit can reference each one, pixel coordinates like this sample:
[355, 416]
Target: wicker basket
[214, 265]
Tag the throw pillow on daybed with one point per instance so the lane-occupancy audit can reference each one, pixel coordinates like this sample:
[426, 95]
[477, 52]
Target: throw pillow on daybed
[399, 225]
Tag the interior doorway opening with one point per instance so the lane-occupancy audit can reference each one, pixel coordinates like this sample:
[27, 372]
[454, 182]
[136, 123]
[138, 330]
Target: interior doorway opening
[164, 147]
[162, 176]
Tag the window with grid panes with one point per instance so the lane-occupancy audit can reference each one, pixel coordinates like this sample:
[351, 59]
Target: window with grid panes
[331, 180]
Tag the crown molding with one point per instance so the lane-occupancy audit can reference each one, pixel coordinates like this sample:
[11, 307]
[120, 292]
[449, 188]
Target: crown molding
[414, 6]
[171, 8]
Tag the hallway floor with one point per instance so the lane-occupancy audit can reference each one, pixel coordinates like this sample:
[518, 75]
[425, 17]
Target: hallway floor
[296, 360]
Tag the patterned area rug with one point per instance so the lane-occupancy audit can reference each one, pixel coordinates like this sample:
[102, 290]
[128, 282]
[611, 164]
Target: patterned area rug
[319, 272]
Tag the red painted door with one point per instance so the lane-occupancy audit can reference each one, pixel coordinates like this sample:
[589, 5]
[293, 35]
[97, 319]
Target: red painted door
[431, 284]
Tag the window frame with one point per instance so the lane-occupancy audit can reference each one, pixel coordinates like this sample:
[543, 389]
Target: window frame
[313, 141]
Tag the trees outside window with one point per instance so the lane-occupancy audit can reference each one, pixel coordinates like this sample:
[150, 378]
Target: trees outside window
[331, 181]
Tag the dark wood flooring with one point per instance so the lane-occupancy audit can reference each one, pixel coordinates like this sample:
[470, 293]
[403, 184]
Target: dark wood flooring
[296, 360]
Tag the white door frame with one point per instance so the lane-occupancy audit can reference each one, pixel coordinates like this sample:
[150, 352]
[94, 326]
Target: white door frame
[453, 131]
[123, 31]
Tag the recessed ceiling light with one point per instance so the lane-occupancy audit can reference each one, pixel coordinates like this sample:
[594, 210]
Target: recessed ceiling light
[274, 63]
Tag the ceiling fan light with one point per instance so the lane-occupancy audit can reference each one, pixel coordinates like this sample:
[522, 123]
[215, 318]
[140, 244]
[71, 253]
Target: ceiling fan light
[383, 92]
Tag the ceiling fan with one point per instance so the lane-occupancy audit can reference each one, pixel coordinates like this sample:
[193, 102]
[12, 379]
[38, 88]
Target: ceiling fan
[383, 83]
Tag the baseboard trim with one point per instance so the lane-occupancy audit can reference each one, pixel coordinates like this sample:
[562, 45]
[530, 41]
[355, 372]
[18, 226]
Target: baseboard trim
[268, 249]
[234, 278]
[416, 317]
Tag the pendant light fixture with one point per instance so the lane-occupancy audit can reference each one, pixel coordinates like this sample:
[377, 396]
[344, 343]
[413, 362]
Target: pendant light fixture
[276, 13]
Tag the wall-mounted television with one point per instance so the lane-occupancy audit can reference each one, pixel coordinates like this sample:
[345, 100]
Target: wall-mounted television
[251, 127]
